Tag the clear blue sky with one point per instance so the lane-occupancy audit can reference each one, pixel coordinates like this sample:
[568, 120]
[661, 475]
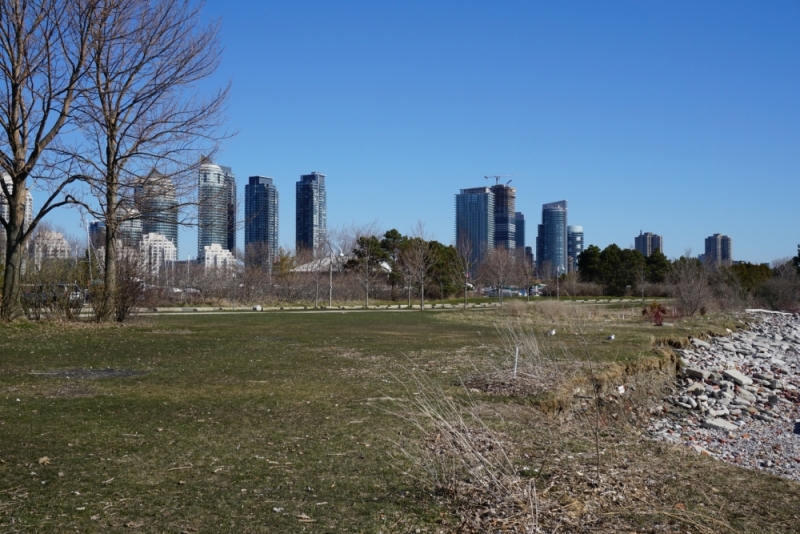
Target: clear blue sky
[679, 118]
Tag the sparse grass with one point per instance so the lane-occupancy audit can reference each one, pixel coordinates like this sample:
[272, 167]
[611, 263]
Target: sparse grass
[233, 416]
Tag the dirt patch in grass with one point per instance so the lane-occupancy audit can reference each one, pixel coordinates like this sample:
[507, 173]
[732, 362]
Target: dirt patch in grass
[89, 374]
[69, 391]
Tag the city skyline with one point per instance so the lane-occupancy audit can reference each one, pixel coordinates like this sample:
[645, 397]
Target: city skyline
[652, 107]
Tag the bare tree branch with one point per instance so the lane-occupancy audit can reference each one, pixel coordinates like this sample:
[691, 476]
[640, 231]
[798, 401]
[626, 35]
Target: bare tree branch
[43, 53]
[138, 112]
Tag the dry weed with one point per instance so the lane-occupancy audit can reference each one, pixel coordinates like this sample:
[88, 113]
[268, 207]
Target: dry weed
[459, 455]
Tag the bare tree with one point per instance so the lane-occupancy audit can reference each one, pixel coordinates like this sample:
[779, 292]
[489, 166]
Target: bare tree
[367, 259]
[689, 282]
[418, 257]
[43, 51]
[782, 290]
[526, 272]
[499, 268]
[464, 263]
[137, 113]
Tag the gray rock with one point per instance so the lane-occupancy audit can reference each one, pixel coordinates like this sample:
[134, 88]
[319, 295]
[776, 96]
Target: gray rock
[696, 389]
[697, 373]
[719, 424]
[738, 377]
[746, 395]
[701, 344]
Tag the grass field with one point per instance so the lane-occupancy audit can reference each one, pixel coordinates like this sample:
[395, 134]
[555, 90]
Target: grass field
[281, 422]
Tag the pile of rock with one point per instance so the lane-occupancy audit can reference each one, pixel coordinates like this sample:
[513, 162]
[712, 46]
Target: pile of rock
[739, 397]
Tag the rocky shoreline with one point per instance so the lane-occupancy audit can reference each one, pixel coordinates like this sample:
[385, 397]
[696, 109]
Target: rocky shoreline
[739, 397]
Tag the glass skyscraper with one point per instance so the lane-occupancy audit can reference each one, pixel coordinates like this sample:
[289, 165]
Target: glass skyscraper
[216, 212]
[551, 242]
[97, 234]
[261, 215]
[519, 235]
[155, 198]
[310, 212]
[505, 200]
[475, 221]
[574, 246]
[129, 231]
[230, 208]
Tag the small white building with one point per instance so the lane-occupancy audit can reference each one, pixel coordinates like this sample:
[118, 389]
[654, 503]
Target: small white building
[216, 257]
[157, 251]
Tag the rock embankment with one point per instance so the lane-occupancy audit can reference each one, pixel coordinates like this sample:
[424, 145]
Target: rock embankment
[739, 397]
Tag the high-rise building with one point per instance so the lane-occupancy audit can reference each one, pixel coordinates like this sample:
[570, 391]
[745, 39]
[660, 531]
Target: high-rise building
[216, 212]
[154, 196]
[529, 256]
[648, 242]
[551, 241]
[158, 251]
[97, 234]
[129, 231]
[719, 249]
[310, 212]
[574, 246]
[519, 229]
[505, 201]
[261, 215]
[475, 230]
[230, 201]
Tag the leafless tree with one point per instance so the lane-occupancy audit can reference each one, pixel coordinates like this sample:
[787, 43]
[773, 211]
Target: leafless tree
[464, 263]
[499, 268]
[137, 111]
[417, 257]
[43, 52]
[367, 257]
[526, 272]
[689, 282]
[782, 291]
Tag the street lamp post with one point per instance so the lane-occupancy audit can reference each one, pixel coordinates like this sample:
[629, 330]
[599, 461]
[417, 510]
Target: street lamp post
[558, 276]
[330, 279]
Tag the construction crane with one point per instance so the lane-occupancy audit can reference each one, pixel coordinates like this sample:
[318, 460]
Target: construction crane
[498, 176]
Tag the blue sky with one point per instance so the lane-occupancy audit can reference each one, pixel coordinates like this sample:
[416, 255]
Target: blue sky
[679, 118]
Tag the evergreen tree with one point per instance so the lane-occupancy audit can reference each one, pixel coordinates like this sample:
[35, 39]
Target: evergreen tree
[589, 264]
[657, 267]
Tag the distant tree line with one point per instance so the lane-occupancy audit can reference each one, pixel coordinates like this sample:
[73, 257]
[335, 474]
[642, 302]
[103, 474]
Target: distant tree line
[697, 287]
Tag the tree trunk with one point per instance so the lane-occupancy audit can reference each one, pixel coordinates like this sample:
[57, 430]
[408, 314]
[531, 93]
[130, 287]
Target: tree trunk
[15, 248]
[12, 308]
[422, 296]
[108, 298]
[106, 302]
